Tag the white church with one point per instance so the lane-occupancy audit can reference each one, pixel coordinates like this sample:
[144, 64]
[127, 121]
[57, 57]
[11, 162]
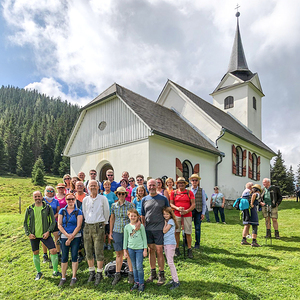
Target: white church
[179, 134]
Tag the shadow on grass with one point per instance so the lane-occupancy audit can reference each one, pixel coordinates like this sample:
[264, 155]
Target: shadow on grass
[294, 239]
[284, 248]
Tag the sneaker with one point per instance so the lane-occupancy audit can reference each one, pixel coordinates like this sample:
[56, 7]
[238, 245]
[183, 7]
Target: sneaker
[50, 264]
[175, 285]
[244, 242]
[161, 278]
[108, 247]
[254, 244]
[56, 274]
[91, 276]
[45, 258]
[152, 276]
[62, 282]
[116, 279]
[177, 252]
[38, 276]
[98, 277]
[141, 288]
[190, 253]
[73, 281]
[170, 282]
[134, 287]
[224, 222]
[130, 278]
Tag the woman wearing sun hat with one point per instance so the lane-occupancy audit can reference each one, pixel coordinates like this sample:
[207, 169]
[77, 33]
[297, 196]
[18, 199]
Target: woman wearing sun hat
[255, 196]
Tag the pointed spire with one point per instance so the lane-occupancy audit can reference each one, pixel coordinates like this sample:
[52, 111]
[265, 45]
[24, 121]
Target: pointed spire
[237, 59]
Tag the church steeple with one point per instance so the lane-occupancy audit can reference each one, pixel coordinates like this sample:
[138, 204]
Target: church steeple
[238, 59]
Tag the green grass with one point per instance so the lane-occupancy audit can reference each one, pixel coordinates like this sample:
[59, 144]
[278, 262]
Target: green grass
[222, 269]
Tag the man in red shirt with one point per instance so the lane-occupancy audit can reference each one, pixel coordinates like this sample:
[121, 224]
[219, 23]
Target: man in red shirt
[183, 203]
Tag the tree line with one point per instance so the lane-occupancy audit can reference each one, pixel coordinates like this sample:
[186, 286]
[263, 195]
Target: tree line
[284, 177]
[33, 126]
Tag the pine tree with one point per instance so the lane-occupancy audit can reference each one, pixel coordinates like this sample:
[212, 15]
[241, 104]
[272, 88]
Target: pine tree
[24, 157]
[290, 181]
[279, 174]
[2, 157]
[48, 151]
[38, 168]
[39, 177]
[64, 166]
[57, 154]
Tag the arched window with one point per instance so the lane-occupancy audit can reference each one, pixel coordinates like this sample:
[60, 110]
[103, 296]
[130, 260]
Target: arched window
[239, 161]
[254, 103]
[254, 166]
[187, 170]
[228, 102]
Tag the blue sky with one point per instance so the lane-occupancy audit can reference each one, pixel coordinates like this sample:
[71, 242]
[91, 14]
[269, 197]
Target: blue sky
[76, 49]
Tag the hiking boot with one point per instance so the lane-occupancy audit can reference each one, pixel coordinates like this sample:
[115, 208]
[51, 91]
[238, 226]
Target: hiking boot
[73, 281]
[56, 274]
[190, 253]
[161, 278]
[268, 234]
[175, 285]
[62, 282]
[177, 252]
[152, 276]
[98, 278]
[92, 276]
[244, 242]
[130, 278]
[254, 244]
[116, 279]
[134, 287]
[38, 276]
[45, 258]
[141, 288]
[277, 235]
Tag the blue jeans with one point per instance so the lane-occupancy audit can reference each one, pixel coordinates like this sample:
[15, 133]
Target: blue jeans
[216, 212]
[65, 249]
[197, 223]
[207, 214]
[136, 257]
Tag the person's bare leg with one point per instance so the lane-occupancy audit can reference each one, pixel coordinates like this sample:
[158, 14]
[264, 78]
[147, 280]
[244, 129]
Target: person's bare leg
[189, 240]
[64, 267]
[275, 224]
[119, 261]
[152, 256]
[177, 237]
[160, 258]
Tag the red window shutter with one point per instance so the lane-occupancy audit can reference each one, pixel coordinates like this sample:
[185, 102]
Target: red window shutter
[179, 168]
[197, 169]
[258, 168]
[244, 162]
[250, 175]
[233, 160]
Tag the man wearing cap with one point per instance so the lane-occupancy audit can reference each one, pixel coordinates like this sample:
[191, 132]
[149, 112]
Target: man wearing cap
[95, 209]
[272, 198]
[153, 220]
[183, 203]
[39, 222]
[200, 206]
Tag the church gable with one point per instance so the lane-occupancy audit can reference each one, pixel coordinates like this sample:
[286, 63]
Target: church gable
[105, 125]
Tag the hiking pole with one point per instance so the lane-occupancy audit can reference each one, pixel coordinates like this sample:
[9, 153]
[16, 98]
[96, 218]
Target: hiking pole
[183, 235]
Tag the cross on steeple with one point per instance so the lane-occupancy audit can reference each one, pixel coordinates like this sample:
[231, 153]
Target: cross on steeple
[237, 8]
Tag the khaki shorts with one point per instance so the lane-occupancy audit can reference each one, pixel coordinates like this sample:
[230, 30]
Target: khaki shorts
[273, 214]
[93, 236]
[187, 224]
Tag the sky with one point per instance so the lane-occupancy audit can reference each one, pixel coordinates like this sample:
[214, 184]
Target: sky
[76, 49]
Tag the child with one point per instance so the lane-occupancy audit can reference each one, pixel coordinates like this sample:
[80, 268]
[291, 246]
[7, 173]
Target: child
[170, 243]
[112, 198]
[141, 193]
[135, 244]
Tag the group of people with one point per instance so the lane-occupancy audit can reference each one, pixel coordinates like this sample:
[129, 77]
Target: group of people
[140, 219]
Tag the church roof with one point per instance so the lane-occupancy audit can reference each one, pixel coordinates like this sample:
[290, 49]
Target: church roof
[160, 119]
[224, 119]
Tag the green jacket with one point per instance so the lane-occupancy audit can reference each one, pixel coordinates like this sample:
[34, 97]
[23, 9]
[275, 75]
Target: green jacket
[48, 219]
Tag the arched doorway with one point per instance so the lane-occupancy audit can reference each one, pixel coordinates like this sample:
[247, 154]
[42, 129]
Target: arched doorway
[102, 173]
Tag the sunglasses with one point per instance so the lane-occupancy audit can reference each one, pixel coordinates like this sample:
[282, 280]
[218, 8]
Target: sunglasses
[194, 180]
[139, 180]
[49, 191]
[92, 173]
[67, 178]
[121, 194]
[70, 199]
[110, 175]
[131, 181]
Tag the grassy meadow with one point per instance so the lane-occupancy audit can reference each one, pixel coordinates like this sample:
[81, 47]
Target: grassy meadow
[221, 269]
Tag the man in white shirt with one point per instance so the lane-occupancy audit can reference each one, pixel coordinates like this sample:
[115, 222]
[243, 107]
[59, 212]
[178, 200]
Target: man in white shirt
[95, 209]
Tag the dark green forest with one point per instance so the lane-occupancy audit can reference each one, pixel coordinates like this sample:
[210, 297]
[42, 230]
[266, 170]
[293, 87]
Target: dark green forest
[33, 125]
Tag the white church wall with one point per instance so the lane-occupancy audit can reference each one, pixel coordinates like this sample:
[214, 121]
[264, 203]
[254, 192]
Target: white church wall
[254, 115]
[173, 100]
[230, 80]
[131, 157]
[232, 185]
[122, 126]
[163, 153]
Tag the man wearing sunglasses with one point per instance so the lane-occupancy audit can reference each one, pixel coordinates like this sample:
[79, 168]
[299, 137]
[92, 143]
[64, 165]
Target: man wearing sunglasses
[93, 175]
[139, 181]
[113, 184]
[95, 210]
